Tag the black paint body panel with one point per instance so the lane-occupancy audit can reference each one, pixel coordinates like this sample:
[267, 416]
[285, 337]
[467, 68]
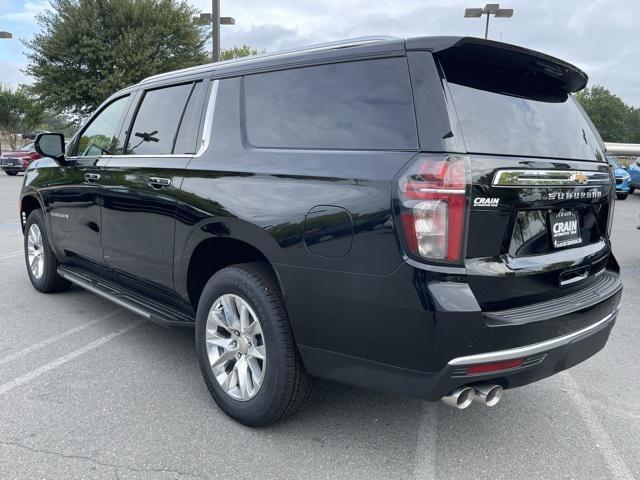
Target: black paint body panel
[361, 311]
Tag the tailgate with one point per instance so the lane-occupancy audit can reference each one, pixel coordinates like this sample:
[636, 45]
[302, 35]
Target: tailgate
[537, 229]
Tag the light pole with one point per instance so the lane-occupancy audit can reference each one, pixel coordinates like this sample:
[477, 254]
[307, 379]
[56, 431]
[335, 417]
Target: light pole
[488, 10]
[6, 35]
[215, 20]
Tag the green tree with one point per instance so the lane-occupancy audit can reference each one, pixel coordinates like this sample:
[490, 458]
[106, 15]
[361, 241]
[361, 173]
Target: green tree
[87, 49]
[634, 126]
[19, 113]
[237, 52]
[608, 112]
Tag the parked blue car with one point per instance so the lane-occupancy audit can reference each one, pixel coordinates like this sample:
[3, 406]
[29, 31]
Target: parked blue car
[634, 171]
[623, 178]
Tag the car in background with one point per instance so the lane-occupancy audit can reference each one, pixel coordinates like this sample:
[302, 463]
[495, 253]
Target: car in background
[623, 178]
[634, 171]
[17, 161]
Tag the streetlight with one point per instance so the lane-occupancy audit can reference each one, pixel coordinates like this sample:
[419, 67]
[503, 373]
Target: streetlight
[488, 10]
[215, 20]
[6, 35]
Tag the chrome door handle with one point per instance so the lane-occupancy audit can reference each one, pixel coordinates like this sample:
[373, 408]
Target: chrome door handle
[92, 177]
[158, 182]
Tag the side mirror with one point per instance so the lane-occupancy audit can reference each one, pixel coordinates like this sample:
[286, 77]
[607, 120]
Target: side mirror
[51, 145]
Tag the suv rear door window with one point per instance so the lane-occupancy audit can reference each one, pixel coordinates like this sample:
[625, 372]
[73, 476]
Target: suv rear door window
[355, 105]
[187, 139]
[157, 120]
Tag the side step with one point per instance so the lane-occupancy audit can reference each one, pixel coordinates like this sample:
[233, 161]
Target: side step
[157, 312]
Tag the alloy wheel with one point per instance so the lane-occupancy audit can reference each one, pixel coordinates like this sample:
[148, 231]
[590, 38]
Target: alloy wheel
[35, 252]
[235, 347]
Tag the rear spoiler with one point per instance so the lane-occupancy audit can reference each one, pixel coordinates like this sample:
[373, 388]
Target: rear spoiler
[503, 57]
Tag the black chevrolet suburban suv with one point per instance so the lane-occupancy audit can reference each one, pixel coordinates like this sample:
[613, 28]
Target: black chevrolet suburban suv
[429, 217]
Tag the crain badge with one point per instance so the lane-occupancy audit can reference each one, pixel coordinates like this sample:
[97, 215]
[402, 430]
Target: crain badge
[485, 202]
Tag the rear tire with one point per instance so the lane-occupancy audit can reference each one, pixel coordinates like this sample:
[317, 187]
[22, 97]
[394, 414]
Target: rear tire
[42, 264]
[284, 385]
[622, 196]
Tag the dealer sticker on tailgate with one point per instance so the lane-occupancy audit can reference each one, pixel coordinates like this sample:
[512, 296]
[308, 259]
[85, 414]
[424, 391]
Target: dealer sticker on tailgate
[565, 229]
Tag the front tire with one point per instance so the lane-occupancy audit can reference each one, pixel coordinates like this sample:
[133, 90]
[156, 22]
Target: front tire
[42, 264]
[631, 190]
[245, 347]
[622, 196]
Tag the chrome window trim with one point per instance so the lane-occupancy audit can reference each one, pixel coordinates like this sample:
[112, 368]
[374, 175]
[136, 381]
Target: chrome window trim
[208, 120]
[524, 178]
[528, 350]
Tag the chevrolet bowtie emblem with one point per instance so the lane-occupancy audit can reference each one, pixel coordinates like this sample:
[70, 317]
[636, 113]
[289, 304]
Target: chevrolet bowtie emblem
[579, 177]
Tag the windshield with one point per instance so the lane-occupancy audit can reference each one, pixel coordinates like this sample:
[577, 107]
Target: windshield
[27, 148]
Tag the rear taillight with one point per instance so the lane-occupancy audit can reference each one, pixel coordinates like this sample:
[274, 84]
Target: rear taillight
[433, 206]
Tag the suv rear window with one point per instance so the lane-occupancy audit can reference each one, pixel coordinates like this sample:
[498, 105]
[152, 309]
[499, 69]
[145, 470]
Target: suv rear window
[355, 105]
[514, 111]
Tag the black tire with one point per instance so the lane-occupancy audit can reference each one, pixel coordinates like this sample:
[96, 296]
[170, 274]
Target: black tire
[49, 281]
[631, 190]
[286, 386]
[11, 174]
[621, 196]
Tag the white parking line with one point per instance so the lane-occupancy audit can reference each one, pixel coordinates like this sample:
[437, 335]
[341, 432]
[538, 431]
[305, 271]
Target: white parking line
[50, 340]
[11, 255]
[424, 461]
[613, 459]
[27, 377]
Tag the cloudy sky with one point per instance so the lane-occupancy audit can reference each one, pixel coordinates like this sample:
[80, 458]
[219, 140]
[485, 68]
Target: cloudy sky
[600, 36]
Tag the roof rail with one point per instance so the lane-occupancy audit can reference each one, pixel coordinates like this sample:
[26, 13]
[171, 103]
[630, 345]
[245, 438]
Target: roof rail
[350, 42]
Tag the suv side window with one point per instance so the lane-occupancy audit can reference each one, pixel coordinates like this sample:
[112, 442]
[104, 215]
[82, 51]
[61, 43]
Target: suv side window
[187, 139]
[156, 123]
[362, 105]
[100, 137]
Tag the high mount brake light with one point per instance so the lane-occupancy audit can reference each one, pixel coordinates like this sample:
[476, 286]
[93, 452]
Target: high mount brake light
[433, 197]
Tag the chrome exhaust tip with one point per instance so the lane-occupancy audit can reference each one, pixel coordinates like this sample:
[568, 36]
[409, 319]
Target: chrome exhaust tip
[488, 394]
[460, 398]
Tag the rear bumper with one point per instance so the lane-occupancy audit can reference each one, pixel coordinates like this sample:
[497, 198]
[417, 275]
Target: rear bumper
[546, 359]
[411, 334]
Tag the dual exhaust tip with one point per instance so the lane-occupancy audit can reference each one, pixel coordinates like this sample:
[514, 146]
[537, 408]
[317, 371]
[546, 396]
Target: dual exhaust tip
[486, 393]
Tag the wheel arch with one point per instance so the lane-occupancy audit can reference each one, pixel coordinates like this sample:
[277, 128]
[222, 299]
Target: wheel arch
[214, 253]
[28, 203]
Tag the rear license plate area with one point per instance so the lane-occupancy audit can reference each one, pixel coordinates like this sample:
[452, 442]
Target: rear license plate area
[564, 228]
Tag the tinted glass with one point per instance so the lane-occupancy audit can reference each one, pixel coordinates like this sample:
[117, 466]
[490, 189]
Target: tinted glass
[613, 161]
[534, 125]
[187, 139]
[101, 136]
[355, 105]
[156, 123]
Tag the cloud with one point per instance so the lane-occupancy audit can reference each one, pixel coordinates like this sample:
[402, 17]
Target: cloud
[11, 74]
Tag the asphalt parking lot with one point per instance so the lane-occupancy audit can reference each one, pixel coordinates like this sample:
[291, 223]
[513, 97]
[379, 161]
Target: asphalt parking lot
[89, 391]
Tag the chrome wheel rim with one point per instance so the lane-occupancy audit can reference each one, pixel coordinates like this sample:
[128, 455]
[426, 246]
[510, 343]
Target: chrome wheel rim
[236, 347]
[35, 253]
